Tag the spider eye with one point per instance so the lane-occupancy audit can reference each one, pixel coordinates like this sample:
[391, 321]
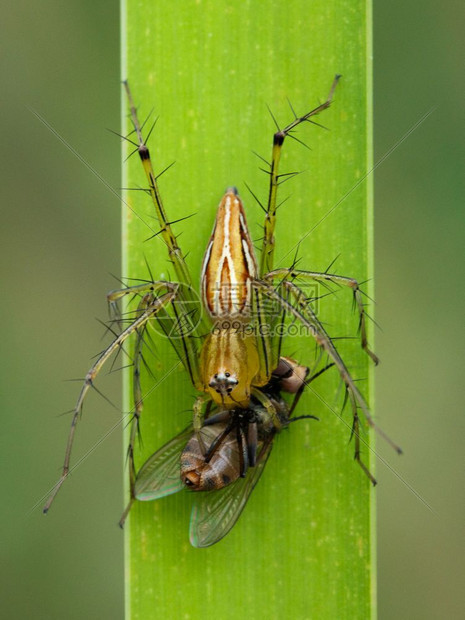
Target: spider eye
[227, 374]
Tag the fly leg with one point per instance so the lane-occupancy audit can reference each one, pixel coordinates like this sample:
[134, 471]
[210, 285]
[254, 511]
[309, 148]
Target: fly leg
[157, 305]
[291, 377]
[304, 383]
[267, 253]
[219, 440]
[252, 443]
[243, 450]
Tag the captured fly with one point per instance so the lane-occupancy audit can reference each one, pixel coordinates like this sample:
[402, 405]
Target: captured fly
[224, 461]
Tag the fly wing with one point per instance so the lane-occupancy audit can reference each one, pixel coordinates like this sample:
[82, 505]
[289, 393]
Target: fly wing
[215, 512]
[160, 474]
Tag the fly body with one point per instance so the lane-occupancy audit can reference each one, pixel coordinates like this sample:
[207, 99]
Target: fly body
[224, 461]
[201, 473]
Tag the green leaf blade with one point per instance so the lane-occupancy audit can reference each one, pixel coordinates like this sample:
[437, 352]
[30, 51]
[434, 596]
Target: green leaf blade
[303, 547]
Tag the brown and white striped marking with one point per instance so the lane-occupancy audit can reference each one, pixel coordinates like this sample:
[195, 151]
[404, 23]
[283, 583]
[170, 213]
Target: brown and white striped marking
[229, 263]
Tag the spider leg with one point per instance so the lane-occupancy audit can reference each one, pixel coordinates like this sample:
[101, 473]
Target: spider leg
[126, 511]
[307, 317]
[316, 276]
[356, 433]
[175, 255]
[150, 312]
[267, 253]
[197, 419]
[145, 302]
[187, 298]
[147, 287]
[180, 328]
[268, 404]
[138, 405]
[136, 385]
[264, 325]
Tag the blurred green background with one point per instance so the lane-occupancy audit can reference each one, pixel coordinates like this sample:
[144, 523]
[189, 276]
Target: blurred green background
[60, 237]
